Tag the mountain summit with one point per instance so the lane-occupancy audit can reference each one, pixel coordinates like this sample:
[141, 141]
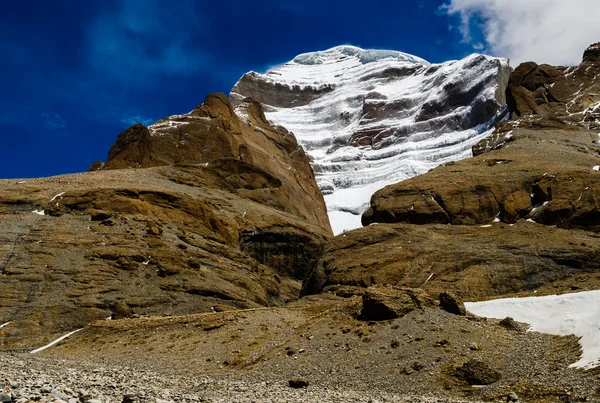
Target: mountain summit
[370, 118]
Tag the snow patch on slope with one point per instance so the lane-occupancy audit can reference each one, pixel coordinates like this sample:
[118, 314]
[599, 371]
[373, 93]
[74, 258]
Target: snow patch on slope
[562, 315]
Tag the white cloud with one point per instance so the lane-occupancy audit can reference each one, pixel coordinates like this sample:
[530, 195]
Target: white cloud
[545, 31]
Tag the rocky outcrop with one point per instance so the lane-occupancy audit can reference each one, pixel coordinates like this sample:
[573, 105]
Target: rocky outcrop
[369, 118]
[262, 161]
[562, 97]
[385, 303]
[226, 212]
[548, 177]
[471, 261]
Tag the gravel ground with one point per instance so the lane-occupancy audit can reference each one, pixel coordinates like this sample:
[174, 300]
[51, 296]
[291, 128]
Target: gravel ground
[39, 378]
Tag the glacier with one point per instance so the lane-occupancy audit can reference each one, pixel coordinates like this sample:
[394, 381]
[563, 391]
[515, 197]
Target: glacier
[371, 118]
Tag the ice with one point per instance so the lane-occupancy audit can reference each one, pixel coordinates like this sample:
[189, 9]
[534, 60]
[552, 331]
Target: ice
[576, 313]
[381, 93]
[37, 350]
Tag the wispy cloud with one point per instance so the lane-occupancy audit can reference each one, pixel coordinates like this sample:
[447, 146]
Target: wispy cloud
[546, 31]
[132, 120]
[55, 123]
[145, 38]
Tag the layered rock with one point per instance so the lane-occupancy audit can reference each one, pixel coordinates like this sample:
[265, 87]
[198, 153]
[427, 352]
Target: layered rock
[251, 153]
[524, 213]
[369, 118]
[561, 97]
[226, 214]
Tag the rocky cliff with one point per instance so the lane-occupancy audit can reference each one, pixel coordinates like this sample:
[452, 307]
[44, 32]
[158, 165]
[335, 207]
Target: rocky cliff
[225, 214]
[523, 214]
[370, 118]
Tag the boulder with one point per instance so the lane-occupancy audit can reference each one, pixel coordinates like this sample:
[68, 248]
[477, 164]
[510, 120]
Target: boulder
[385, 303]
[298, 382]
[510, 324]
[449, 303]
[476, 372]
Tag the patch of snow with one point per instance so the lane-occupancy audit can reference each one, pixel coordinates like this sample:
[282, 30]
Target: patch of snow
[4, 324]
[486, 226]
[37, 350]
[39, 212]
[596, 168]
[575, 313]
[341, 221]
[58, 195]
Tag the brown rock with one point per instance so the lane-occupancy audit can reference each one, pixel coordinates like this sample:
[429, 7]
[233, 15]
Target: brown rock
[509, 323]
[471, 261]
[384, 303]
[120, 310]
[298, 382]
[262, 162]
[592, 53]
[225, 211]
[555, 187]
[449, 303]
[476, 372]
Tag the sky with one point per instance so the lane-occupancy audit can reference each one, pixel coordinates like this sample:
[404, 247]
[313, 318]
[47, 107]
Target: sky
[74, 74]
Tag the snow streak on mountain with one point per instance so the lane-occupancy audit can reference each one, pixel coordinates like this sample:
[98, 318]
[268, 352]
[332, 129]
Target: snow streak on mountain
[370, 118]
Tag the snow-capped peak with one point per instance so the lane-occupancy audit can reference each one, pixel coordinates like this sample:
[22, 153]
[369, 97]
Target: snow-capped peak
[370, 118]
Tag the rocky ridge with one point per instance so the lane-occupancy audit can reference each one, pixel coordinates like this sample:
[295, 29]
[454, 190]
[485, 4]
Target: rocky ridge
[197, 212]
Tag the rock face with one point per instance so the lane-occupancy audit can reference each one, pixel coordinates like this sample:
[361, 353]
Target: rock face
[471, 261]
[557, 96]
[523, 214]
[250, 152]
[369, 118]
[238, 225]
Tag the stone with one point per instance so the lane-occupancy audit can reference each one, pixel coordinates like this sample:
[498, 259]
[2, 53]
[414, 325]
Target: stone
[120, 310]
[592, 53]
[476, 372]
[450, 303]
[4, 397]
[510, 324]
[298, 382]
[385, 303]
[512, 397]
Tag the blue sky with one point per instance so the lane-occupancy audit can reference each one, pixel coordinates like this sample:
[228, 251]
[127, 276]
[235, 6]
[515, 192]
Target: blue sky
[74, 74]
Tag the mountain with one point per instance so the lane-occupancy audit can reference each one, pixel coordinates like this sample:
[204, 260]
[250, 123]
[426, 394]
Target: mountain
[522, 216]
[370, 118]
[196, 211]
